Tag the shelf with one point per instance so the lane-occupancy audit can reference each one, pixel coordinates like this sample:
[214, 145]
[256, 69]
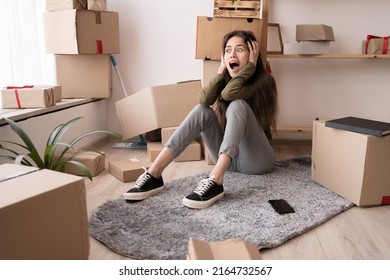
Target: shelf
[22, 114]
[340, 56]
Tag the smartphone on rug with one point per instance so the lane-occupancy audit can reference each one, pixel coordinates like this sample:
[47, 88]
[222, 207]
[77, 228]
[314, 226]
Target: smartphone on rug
[281, 206]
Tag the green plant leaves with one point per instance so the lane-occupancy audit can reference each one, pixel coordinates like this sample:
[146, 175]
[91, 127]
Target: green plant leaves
[56, 154]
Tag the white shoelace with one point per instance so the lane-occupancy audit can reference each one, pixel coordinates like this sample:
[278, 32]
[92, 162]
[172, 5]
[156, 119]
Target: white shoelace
[204, 185]
[142, 179]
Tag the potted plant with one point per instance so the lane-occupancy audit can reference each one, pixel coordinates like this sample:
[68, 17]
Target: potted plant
[54, 151]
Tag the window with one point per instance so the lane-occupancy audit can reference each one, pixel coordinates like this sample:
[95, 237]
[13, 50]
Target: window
[23, 60]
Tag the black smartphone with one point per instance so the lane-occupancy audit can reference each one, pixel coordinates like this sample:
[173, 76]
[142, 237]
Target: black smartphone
[281, 206]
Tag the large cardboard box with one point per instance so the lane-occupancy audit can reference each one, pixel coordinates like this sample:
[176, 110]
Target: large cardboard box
[230, 249]
[57, 5]
[81, 32]
[354, 165]
[43, 214]
[127, 170]
[83, 76]
[210, 33]
[314, 32]
[30, 96]
[156, 107]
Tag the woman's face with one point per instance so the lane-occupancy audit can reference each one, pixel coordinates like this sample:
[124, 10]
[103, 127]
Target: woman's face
[236, 55]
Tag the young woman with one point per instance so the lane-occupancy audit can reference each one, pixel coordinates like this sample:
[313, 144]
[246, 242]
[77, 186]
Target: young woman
[234, 117]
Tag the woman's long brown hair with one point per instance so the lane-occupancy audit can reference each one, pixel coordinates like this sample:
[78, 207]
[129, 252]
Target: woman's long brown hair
[264, 101]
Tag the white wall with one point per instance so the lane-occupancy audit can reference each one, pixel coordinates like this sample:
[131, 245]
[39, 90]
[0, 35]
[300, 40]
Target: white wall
[158, 47]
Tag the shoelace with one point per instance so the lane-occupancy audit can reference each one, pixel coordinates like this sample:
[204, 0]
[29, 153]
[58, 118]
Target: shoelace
[142, 179]
[204, 186]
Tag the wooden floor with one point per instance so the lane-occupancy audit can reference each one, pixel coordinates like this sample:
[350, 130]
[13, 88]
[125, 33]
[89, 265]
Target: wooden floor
[358, 233]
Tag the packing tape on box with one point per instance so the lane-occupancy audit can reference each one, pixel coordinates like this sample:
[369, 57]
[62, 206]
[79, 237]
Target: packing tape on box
[385, 42]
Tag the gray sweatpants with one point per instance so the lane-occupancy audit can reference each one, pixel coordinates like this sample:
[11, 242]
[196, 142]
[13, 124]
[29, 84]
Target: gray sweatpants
[243, 139]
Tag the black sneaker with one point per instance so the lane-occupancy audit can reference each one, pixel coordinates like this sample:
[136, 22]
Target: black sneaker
[145, 186]
[206, 193]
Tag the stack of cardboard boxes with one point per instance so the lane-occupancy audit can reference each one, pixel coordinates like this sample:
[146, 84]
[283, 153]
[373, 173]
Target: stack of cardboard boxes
[82, 35]
[311, 39]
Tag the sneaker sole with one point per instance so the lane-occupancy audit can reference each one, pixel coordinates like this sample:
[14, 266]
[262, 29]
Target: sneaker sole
[142, 195]
[201, 204]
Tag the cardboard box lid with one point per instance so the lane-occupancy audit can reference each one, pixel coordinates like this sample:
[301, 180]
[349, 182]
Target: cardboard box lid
[230, 249]
[314, 32]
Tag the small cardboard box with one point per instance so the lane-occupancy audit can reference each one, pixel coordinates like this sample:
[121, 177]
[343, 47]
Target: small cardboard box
[83, 76]
[94, 162]
[81, 32]
[309, 47]
[314, 32]
[43, 214]
[58, 5]
[29, 97]
[127, 170]
[354, 165]
[57, 90]
[210, 33]
[375, 46]
[156, 107]
[230, 249]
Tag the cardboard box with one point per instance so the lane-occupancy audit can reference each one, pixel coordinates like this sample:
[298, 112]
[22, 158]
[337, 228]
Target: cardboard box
[81, 32]
[375, 46]
[153, 149]
[351, 164]
[57, 5]
[94, 162]
[56, 89]
[210, 33]
[84, 76]
[314, 32]
[230, 249]
[309, 47]
[127, 170]
[43, 214]
[29, 96]
[191, 153]
[97, 5]
[156, 107]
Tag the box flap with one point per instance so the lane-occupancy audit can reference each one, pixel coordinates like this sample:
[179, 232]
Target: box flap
[9, 171]
[230, 249]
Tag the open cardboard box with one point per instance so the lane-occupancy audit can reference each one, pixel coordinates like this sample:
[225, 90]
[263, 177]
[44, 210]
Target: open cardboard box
[230, 249]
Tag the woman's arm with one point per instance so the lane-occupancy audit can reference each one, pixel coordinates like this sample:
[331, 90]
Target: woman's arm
[237, 87]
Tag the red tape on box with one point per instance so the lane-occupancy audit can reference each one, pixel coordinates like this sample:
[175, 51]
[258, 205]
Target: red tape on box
[99, 45]
[385, 200]
[385, 42]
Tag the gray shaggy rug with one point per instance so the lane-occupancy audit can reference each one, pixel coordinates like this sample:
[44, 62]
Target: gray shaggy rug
[159, 227]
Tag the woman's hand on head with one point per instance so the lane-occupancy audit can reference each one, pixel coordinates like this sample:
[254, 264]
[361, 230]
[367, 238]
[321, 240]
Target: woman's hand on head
[253, 51]
[222, 66]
